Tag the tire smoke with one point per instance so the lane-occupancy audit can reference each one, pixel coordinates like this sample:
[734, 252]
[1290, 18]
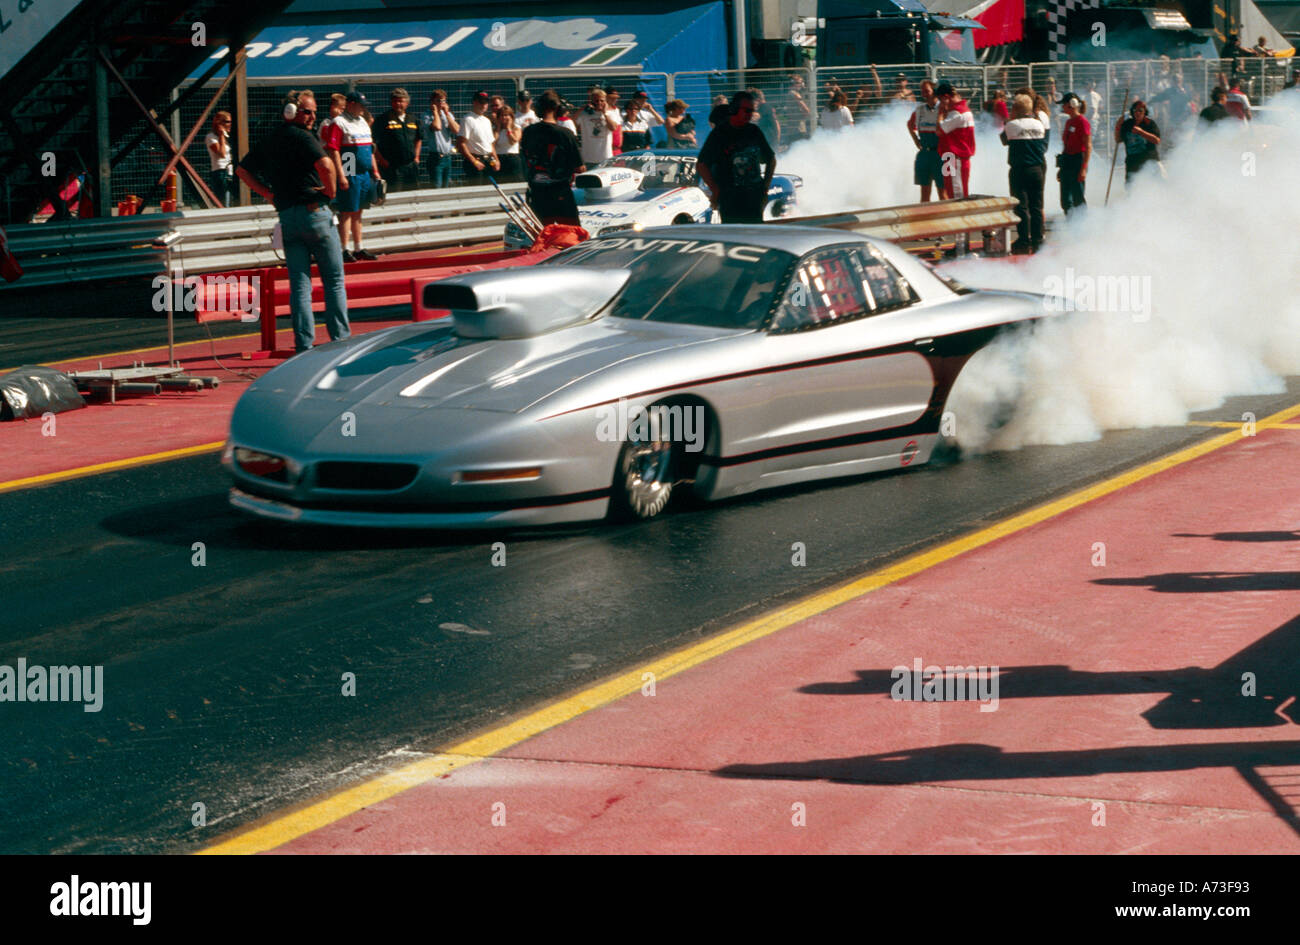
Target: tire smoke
[1184, 291]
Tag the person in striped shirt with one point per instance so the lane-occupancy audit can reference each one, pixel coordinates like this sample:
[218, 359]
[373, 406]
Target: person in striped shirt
[923, 125]
[1238, 102]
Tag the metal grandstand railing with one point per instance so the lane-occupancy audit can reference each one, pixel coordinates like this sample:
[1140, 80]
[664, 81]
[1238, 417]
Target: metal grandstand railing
[238, 237]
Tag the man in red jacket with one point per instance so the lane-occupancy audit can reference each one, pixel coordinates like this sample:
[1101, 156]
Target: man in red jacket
[956, 140]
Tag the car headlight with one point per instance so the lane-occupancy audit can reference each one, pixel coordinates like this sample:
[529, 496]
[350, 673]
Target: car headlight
[637, 227]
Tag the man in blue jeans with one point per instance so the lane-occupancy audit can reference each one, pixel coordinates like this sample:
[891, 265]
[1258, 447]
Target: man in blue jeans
[440, 130]
[289, 168]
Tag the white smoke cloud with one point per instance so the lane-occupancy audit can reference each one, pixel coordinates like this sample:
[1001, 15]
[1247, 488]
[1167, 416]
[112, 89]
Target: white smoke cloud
[870, 164]
[1200, 260]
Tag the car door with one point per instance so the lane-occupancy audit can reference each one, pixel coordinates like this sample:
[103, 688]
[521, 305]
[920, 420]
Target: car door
[849, 370]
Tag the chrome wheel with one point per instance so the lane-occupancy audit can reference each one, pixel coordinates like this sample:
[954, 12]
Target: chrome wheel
[644, 483]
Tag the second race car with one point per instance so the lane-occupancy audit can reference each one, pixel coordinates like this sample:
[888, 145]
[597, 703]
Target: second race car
[653, 187]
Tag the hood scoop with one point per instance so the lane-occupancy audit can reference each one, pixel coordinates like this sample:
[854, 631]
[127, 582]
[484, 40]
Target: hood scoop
[521, 303]
[609, 183]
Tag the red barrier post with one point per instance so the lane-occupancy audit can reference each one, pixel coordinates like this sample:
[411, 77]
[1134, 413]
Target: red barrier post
[267, 305]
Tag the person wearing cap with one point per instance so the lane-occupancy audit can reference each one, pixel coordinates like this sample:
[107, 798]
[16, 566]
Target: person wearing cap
[397, 138]
[902, 91]
[440, 128]
[290, 169]
[923, 126]
[638, 118]
[679, 125]
[1076, 151]
[737, 164]
[1026, 139]
[352, 149]
[956, 139]
[524, 114]
[564, 117]
[1141, 137]
[477, 142]
[550, 159]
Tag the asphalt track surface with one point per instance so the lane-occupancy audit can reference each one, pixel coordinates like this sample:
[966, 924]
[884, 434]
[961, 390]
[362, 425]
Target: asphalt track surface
[223, 681]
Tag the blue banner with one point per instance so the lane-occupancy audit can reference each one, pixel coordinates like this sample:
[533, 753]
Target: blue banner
[665, 41]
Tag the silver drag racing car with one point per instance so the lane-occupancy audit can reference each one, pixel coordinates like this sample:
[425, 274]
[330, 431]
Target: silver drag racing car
[632, 368]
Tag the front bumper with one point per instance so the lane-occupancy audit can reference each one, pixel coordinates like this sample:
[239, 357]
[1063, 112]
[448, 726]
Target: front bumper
[583, 508]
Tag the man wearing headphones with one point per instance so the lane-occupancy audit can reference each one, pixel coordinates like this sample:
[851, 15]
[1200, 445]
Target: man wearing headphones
[290, 169]
[732, 162]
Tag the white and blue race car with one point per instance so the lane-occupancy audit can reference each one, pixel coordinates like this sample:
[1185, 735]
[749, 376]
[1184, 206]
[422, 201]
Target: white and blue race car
[652, 187]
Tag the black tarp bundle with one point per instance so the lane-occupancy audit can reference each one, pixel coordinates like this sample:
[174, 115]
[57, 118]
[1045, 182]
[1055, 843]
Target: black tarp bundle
[32, 391]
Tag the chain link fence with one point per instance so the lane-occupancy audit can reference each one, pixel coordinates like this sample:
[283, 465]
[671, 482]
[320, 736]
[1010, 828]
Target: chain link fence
[786, 99]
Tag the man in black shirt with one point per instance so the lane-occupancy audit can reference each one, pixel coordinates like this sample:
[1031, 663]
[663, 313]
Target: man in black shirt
[1216, 111]
[289, 168]
[731, 164]
[397, 139]
[1232, 50]
[1141, 137]
[551, 157]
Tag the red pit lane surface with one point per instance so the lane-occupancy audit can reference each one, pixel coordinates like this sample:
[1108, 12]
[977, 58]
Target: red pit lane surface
[141, 426]
[1121, 725]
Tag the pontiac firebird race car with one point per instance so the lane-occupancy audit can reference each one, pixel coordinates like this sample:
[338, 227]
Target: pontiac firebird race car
[654, 187]
[767, 355]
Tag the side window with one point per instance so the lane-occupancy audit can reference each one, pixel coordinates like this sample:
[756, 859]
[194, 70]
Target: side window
[827, 287]
[884, 284]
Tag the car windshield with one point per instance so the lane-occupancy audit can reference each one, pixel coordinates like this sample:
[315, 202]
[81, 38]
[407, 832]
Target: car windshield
[691, 282]
[658, 170]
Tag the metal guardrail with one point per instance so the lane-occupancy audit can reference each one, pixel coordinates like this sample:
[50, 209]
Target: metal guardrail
[922, 221]
[239, 237]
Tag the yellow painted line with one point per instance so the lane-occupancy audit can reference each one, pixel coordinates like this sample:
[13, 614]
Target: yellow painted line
[46, 478]
[321, 813]
[183, 344]
[1234, 424]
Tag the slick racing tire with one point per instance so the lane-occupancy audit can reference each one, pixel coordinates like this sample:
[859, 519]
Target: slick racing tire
[643, 479]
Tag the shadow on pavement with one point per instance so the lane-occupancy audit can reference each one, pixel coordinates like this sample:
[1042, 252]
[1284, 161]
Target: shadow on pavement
[1256, 687]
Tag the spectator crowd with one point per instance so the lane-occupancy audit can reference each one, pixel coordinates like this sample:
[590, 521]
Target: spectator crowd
[406, 147]
[312, 170]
